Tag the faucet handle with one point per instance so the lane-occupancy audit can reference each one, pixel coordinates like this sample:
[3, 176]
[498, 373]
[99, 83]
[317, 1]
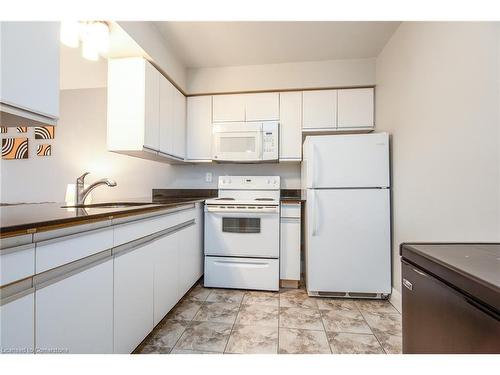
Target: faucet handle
[81, 179]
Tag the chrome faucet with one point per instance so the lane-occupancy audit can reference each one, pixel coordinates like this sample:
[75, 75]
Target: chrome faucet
[81, 192]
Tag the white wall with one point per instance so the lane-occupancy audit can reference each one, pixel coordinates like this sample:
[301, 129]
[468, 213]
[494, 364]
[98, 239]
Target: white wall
[79, 73]
[438, 95]
[358, 72]
[80, 145]
[154, 44]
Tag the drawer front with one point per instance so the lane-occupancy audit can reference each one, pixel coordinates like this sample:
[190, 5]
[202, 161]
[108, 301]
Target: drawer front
[54, 253]
[290, 210]
[242, 273]
[17, 263]
[137, 229]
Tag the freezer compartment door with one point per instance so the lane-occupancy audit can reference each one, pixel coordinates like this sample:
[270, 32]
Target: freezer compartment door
[347, 161]
[241, 273]
[348, 245]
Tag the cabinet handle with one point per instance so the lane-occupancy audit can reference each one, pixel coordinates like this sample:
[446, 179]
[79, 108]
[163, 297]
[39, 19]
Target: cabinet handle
[407, 284]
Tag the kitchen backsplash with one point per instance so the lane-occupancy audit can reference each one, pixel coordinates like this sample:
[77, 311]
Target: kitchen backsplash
[22, 142]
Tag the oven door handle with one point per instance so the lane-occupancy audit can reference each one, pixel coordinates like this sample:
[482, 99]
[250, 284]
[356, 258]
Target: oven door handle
[264, 210]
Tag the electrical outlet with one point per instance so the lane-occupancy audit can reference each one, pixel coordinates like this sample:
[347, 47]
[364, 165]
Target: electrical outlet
[208, 177]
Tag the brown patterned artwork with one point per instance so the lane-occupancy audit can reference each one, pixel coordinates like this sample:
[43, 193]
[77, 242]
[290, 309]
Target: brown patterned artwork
[44, 132]
[43, 150]
[3, 129]
[22, 129]
[14, 148]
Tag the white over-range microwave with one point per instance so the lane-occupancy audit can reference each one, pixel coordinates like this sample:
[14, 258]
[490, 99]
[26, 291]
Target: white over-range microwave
[245, 142]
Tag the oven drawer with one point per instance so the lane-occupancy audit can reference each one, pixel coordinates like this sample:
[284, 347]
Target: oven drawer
[241, 273]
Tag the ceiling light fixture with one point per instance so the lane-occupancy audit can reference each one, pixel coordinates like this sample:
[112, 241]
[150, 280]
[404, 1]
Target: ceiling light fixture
[93, 34]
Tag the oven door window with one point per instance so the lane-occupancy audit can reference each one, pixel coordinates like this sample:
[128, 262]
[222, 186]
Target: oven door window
[240, 225]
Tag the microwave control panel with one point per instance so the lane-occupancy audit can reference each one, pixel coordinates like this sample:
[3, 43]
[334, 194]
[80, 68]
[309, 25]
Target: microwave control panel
[270, 141]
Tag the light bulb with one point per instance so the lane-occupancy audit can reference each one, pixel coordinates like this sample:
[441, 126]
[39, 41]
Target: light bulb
[89, 50]
[70, 33]
[100, 32]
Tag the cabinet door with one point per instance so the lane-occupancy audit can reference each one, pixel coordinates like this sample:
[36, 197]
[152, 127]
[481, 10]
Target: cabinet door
[17, 331]
[151, 107]
[133, 298]
[179, 147]
[319, 109]
[355, 108]
[199, 128]
[228, 108]
[290, 125]
[166, 116]
[30, 66]
[262, 106]
[190, 258]
[166, 275]
[75, 314]
[290, 249]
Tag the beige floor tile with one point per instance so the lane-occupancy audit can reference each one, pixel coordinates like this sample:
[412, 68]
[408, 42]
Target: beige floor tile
[253, 340]
[185, 310]
[261, 315]
[168, 333]
[198, 293]
[151, 347]
[347, 321]
[217, 312]
[226, 296]
[296, 298]
[377, 306]
[336, 304]
[384, 323]
[391, 344]
[261, 298]
[185, 351]
[205, 336]
[299, 317]
[302, 341]
[353, 343]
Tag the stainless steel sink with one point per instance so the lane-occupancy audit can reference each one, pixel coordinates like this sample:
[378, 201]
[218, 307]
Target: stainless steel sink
[109, 205]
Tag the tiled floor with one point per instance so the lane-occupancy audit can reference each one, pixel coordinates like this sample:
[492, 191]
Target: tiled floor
[232, 321]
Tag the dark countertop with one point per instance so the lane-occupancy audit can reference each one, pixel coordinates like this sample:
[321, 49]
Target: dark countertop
[29, 218]
[473, 268]
[292, 196]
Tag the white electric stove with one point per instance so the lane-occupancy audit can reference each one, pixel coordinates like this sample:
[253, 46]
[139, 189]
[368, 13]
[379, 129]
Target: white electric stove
[242, 234]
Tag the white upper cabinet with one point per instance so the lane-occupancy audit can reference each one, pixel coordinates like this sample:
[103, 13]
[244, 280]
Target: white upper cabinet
[146, 113]
[133, 105]
[290, 116]
[319, 109]
[166, 116]
[246, 107]
[29, 84]
[262, 106]
[199, 128]
[355, 108]
[179, 104]
[228, 108]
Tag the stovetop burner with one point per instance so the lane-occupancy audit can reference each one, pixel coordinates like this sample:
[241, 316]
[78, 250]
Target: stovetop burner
[264, 199]
[224, 199]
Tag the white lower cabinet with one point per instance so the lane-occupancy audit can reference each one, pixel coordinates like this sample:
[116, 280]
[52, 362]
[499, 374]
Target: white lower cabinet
[133, 297]
[75, 313]
[290, 242]
[191, 261]
[166, 275]
[17, 325]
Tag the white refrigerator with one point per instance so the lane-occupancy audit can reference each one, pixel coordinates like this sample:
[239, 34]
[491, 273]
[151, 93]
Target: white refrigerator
[347, 221]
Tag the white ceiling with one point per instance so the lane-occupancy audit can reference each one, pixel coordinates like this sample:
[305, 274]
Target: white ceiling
[211, 44]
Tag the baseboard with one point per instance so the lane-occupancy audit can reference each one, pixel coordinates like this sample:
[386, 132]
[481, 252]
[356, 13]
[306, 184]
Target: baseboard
[396, 300]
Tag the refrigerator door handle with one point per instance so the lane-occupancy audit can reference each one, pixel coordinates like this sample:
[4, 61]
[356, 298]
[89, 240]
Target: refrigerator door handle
[314, 214]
